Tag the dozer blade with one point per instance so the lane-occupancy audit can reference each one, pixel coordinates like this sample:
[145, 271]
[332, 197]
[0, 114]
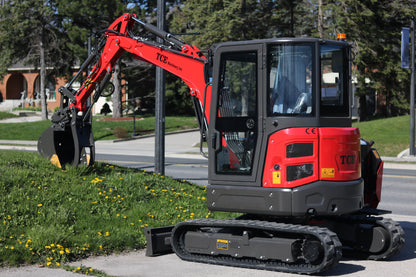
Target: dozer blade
[63, 147]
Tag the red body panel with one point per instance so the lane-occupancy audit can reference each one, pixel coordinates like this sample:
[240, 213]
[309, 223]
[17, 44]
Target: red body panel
[334, 156]
[276, 156]
[378, 185]
[339, 150]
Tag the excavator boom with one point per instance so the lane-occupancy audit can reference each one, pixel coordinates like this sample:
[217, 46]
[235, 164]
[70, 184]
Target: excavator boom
[69, 140]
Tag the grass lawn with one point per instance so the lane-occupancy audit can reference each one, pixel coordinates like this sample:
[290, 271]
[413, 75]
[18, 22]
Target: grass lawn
[391, 135]
[101, 129]
[49, 216]
[4, 115]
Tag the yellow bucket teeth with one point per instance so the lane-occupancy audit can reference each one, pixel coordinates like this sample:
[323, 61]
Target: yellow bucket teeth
[55, 161]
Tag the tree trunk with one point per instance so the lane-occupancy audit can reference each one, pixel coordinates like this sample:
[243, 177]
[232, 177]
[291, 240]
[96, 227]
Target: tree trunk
[362, 111]
[388, 104]
[117, 91]
[42, 79]
[320, 20]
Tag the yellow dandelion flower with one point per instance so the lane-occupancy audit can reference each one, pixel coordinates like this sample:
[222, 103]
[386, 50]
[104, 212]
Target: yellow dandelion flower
[40, 205]
[61, 252]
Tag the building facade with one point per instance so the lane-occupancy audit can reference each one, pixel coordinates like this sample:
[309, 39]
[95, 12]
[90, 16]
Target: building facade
[21, 88]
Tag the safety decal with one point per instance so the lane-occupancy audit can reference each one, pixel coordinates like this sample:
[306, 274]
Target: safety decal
[276, 178]
[222, 244]
[328, 172]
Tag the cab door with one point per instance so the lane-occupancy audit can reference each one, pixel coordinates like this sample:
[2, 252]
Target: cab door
[235, 124]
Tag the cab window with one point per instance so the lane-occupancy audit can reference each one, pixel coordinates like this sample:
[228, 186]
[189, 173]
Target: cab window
[290, 79]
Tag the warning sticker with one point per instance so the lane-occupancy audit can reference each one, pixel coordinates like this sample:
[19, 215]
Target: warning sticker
[276, 178]
[222, 244]
[328, 172]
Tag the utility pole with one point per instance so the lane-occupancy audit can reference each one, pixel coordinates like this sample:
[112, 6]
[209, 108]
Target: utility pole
[160, 101]
[412, 92]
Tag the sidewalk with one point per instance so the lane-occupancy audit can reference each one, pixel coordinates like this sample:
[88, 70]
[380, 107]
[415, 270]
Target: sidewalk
[177, 145]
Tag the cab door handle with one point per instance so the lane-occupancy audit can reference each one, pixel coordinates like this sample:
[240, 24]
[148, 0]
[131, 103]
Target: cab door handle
[215, 140]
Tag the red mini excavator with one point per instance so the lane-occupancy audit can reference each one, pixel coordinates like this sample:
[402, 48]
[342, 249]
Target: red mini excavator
[276, 114]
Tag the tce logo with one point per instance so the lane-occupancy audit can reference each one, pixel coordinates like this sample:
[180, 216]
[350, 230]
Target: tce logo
[162, 58]
[347, 159]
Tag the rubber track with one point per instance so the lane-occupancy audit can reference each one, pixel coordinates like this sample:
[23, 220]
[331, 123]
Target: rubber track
[396, 232]
[329, 240]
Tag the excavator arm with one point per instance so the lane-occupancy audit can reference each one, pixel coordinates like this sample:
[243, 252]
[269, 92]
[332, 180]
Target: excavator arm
[69, 140]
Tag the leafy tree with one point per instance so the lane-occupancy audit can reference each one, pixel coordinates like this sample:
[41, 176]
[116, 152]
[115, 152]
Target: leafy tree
[228, 20]
[374, 28]
[30, 30]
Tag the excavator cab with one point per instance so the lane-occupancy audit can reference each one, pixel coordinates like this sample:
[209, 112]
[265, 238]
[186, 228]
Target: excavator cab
[279, 118]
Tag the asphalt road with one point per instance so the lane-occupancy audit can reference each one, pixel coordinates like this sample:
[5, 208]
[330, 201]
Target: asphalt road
[399, 191]
[192, 170]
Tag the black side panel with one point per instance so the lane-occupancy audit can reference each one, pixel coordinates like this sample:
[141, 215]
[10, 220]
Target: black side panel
[321, 198]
